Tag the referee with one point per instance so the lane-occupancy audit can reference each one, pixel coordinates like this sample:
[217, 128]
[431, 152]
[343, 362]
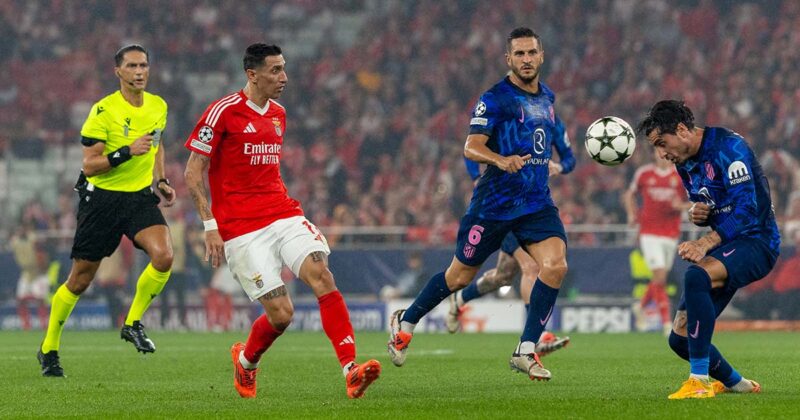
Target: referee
[122, 151]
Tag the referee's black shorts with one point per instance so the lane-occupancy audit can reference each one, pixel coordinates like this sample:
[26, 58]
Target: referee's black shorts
[104, 216]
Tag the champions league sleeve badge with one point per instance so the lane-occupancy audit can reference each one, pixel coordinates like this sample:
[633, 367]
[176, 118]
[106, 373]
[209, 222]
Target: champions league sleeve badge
[205, 134]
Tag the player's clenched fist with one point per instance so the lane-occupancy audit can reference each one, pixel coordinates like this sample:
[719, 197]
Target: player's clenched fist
[698, 213]
[512, 164]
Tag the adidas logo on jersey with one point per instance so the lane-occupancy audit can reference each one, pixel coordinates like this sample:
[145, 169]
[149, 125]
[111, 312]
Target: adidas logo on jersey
[347, 340]
[249, 128]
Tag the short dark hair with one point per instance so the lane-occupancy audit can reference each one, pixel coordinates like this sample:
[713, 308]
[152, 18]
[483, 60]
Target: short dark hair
[255, 54]
[120, 55]
[665, 116]
[522, 32]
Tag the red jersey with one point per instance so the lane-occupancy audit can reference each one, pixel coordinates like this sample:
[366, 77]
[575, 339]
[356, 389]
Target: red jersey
[659, 189]
[244, 143]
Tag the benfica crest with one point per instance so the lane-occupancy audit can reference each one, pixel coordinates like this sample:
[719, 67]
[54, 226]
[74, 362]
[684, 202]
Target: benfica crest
[278, 129]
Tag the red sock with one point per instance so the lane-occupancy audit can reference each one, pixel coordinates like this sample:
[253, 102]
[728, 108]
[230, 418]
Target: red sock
[662, 300]
[262, 335]
[44, 316]
[24, 315]
[648, 295]
[336, 323]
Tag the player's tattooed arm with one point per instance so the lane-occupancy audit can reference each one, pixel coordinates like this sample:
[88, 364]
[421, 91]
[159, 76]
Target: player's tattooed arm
[195, 167]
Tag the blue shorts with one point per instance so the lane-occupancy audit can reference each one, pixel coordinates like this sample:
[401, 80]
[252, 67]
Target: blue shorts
[510, 244]
[479, 238]
[746, 260]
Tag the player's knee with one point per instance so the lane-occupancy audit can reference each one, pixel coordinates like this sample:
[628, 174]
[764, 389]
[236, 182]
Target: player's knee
[554, 270]
[460, 282]
[679, 344]
[162, 259]
[529, 269]
[80, 278]
[696, 280]
[281, 318]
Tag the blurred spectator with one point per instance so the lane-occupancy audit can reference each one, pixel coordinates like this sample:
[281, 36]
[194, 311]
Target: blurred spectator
[219, 299]
[382, 119]
[787, 283]
[176, 288]
[409, 282]
[216, 285]
[33, 286]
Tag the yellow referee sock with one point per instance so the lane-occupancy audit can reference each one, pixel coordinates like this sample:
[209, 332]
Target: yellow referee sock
[61, 306]
[150, 284]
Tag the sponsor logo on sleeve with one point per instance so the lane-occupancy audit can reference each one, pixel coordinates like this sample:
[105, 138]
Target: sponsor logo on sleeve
[479, 121]
[738, 173]
[200, 146]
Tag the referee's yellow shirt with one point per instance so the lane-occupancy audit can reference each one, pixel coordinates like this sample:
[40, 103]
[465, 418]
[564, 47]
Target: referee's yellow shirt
[117, 123]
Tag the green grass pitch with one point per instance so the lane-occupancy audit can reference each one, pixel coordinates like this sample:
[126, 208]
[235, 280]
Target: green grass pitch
[445, 376]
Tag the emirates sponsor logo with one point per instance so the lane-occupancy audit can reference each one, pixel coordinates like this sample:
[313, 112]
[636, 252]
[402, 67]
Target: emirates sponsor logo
[263, 153]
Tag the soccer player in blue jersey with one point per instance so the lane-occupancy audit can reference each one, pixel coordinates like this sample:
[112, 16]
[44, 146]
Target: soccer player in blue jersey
[511, 260]
[513, 129]
[730, 194]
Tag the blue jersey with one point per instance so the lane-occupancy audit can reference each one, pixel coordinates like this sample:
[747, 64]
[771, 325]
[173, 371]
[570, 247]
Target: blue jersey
[726, 175]
[517, 123]
[564, 153]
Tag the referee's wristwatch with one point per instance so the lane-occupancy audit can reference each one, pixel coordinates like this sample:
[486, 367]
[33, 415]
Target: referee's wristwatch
[164, 180]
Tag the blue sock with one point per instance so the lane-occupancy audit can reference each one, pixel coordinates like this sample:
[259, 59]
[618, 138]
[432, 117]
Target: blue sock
[718, 368]
[543, 300]
[470, 292]
[431, 295]
[701, 318]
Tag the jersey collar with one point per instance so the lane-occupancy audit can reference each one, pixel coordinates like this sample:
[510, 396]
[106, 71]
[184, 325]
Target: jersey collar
[508, 80]
[253, 106]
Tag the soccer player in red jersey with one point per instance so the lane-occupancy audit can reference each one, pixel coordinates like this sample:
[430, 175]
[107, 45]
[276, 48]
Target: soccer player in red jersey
[663, 199]
[256, 226]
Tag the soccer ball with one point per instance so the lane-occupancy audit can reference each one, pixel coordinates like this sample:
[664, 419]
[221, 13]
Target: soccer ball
[610, 140]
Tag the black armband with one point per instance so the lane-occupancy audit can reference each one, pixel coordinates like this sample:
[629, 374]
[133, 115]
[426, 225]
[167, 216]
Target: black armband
[119, 156]
[89, 142]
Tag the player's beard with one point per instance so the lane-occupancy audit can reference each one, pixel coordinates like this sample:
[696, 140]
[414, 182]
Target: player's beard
[525, 79]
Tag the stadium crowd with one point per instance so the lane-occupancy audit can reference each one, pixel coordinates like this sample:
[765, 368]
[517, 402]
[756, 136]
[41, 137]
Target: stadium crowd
[380, 93]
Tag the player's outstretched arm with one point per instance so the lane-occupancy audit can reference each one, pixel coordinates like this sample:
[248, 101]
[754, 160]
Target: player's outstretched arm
[475, 149]
[195, 168]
